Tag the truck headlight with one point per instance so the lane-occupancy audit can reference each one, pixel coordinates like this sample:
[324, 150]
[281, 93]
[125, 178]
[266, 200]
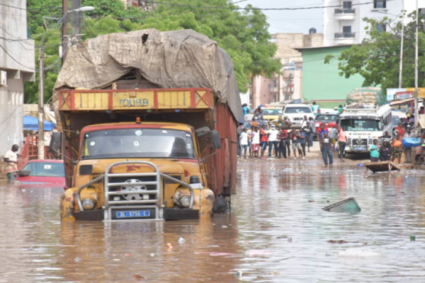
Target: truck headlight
[88, 203]
[185, 201]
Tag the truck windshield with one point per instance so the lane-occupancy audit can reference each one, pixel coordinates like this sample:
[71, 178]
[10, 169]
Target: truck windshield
[361, 125]
[137, 143]
[297, 110]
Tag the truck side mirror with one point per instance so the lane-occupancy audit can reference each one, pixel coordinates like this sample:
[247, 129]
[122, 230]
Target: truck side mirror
[215, 140]
[24, 173]
[74, 162]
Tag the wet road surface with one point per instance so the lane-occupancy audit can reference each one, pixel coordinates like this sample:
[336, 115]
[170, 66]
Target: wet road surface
[277, 232]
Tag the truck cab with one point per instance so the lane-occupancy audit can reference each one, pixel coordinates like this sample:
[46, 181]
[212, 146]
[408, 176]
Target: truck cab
[140, 170]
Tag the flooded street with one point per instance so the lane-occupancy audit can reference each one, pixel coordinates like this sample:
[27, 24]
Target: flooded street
[277, 232]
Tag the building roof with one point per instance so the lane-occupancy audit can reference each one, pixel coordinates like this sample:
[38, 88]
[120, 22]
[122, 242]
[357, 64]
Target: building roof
[301, 49]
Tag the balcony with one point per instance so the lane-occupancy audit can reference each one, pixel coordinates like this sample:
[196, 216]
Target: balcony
[345, 37]
[345, 14]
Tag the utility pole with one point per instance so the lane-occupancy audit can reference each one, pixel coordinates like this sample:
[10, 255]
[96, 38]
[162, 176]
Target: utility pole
[416, 65]
[400, 75]
[65, 39]
[76, 19]
[41, 105]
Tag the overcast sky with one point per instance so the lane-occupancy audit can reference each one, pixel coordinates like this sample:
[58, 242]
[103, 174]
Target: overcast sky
[290, 21]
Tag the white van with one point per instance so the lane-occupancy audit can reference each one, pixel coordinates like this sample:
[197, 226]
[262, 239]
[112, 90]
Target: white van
[363, 123]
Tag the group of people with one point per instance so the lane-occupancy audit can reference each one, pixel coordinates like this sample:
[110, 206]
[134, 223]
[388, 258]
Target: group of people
[280, 140]
[394, 150]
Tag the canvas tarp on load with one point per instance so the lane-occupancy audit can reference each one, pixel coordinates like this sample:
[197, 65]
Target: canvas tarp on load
[175, 59]
[366, 95]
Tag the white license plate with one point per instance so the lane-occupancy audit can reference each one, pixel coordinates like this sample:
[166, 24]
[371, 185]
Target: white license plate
[133, 214]
[359, 148]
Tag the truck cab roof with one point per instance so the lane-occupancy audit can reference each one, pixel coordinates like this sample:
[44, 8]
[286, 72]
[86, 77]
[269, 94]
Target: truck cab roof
[132, 125]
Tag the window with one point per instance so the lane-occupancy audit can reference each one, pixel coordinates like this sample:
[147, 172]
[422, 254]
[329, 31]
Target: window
[381, 27]
[380, 4]
[297, 110]
[362, 125]
[346, 29]
[346, 5]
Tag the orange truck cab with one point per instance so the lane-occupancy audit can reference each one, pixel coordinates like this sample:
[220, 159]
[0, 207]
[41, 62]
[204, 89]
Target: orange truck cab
[155, 154]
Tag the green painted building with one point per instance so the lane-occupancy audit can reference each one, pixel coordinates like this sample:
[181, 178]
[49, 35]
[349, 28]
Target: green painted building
[321, 82]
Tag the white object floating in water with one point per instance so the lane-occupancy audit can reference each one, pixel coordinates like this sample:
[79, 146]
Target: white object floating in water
[181, 241]
[359, 253]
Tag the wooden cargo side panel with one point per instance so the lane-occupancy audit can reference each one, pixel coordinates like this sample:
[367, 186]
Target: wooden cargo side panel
[222, 165]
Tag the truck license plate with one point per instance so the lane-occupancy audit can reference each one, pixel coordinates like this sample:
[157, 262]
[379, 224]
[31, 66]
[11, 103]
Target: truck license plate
[133, 214]
[359, 148]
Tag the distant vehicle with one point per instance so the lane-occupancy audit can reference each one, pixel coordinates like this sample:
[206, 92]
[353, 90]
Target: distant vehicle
[44, 172]
[330, 121]
[296, 113]
[271, 113]
[363, 123]
[328, 111]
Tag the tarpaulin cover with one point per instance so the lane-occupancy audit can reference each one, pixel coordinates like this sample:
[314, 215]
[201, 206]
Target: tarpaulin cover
[31, 124]
[175, 59]
[366, 95]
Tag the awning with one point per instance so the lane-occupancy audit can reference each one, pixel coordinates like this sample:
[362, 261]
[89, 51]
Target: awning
[401, 102]
[31, 124]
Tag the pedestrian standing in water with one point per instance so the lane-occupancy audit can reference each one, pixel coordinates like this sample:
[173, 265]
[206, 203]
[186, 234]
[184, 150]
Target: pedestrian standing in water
[255, 142]
[385, 151]
[296, 146]
[374, 151]
[302, 136]
[307, 130]
[11, 159]
[407, 151]
[244, 142]
[312, 133]
[342, 142]
[284, 138]
[264, 138]
[325, 147]
[397, 149]
[273, 140]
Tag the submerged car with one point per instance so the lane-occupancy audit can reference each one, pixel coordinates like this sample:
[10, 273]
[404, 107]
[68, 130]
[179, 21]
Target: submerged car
[42, 172]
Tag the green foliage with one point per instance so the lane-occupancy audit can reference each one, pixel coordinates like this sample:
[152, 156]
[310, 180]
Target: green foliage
[242, 34]
[377, 58]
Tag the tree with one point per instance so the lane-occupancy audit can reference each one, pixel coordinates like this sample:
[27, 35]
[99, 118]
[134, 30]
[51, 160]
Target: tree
[242, 34]
[377, 58]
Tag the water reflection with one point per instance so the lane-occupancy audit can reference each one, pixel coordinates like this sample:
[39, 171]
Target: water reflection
[277, 232]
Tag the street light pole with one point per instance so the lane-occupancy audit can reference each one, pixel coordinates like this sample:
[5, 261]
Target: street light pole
[65, 6]
[76, 18]
[41, 105]
[400, 75]
[416, 64]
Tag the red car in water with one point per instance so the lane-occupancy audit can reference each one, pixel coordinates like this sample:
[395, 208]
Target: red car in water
[43, 172]
[330, 121]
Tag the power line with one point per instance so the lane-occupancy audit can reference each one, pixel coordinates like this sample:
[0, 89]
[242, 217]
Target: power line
[7, 53]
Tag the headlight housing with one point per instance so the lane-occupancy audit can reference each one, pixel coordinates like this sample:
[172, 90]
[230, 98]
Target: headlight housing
[185, 201]
[88, 203]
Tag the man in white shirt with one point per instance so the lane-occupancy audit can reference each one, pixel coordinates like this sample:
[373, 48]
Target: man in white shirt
[273, 133]
[11, 159]
[244, 141]
[255, 141]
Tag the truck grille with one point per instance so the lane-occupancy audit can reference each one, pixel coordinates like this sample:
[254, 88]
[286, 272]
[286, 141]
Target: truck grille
[359, 142]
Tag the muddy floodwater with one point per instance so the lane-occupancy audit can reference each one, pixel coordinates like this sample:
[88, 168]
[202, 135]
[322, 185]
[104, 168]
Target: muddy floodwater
[277, 232]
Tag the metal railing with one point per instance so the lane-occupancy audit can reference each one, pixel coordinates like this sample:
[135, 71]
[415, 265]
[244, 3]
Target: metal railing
[345, 35]
[345, 11]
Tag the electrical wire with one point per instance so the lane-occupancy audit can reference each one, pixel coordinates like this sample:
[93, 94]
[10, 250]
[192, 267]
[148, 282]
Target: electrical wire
[7, 53]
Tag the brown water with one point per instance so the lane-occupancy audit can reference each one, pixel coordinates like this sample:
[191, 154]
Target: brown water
[277, 232]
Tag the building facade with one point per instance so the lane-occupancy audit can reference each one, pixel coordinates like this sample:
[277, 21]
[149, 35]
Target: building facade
[288, 84]
[17, 65]
[322, 82]
[344, 24]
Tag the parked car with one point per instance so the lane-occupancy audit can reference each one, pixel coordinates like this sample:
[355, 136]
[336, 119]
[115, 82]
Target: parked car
[330, 121]
[296, 113]
[42, 172]
[271, 113]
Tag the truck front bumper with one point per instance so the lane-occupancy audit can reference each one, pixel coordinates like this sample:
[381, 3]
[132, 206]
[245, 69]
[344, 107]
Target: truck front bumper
[168, 214]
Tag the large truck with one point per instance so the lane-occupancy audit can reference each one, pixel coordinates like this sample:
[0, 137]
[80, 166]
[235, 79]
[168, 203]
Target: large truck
[146, 154]
[149, 121]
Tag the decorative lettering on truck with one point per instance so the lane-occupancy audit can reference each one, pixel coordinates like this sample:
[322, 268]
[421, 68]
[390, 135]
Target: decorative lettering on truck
[133, 102]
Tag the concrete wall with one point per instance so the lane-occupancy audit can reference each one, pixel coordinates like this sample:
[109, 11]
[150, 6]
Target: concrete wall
[17, 59]
[321, 81]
